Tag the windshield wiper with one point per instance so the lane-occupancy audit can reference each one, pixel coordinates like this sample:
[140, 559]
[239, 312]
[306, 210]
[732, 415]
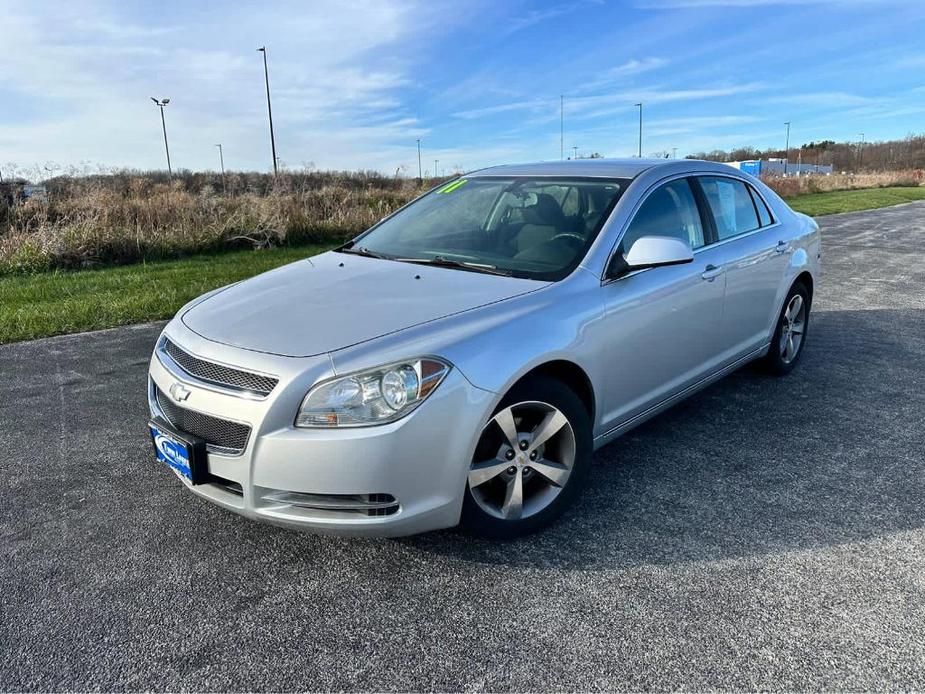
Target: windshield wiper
[362, 250]
[441, 261]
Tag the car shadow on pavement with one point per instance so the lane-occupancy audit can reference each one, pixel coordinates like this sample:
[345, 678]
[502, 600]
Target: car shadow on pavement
[752, 465]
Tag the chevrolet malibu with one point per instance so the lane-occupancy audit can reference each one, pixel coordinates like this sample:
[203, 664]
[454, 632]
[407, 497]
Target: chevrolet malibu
[459, 362]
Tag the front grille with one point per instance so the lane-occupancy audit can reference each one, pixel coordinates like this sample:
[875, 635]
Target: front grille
[218, 374]
[220, 435]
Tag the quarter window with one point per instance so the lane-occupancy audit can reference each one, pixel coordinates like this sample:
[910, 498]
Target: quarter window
[764, 214]
[668, 211]
[731, 205]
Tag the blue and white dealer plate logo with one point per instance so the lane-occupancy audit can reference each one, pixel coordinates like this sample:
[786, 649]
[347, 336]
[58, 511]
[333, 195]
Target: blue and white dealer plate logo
[174, 453]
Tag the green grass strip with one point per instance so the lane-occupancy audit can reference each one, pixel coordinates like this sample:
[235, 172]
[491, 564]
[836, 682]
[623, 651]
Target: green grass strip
[53, 303]
[817, 204]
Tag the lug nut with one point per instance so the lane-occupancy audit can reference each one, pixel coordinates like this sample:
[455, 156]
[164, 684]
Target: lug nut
[512, 469]
[509, 455]
[533, 455]
[523, 445]
[527, 470]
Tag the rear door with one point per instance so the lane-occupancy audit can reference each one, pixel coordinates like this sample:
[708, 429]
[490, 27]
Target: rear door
[748, 249]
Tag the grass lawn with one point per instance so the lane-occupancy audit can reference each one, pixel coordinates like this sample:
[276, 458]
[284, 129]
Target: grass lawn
[53, 303]
[815, 204]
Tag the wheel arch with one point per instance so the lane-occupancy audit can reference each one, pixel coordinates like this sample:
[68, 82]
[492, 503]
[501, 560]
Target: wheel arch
[570, 374]
[806, 279]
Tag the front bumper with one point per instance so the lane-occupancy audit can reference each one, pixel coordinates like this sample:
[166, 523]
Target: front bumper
[335, 481]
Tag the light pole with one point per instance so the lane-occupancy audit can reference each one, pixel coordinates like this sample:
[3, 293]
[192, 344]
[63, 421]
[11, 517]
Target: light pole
[674, 152]
[575, 148]
[640, 131]
[420, 171]
[221, 159]
[435, 167]
[266, 77]
[787, 148]
[860, 151]
[161, 104]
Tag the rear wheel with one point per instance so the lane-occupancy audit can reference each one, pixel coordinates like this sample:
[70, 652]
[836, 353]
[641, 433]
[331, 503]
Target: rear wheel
[790, 333]
[531, 461]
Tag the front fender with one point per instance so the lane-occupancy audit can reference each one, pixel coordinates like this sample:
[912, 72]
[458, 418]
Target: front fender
[496, 345]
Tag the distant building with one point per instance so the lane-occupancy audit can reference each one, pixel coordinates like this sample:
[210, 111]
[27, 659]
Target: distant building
[779, 167]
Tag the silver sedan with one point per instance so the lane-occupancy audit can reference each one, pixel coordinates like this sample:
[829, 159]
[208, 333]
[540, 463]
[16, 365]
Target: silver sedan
[460, 361]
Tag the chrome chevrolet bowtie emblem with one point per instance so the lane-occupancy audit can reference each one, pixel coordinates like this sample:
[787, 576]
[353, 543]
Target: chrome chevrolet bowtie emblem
[179, 392]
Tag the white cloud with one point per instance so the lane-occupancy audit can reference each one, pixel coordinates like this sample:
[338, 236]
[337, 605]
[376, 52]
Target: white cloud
[85, 74]
[634, 67]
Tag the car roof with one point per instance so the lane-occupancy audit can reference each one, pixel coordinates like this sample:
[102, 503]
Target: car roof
[602, 168]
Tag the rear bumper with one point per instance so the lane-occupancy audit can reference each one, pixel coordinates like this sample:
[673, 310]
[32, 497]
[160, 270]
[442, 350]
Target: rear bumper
[333, 481]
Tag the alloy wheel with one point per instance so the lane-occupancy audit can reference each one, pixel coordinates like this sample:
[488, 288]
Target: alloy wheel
[793, 326]
[524, 458]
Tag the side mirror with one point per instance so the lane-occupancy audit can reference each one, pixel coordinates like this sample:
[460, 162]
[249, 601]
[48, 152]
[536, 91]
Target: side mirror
[651, 251]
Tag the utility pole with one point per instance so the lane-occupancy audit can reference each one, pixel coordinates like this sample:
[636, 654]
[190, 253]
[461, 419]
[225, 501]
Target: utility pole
[161, 104]
[221, 159]
[575, 148]
[561, 126]
[266, 77]
[435, 167]
[640, 131]
[674, 152]
[787, 148]
[420, 171]
[860, 151]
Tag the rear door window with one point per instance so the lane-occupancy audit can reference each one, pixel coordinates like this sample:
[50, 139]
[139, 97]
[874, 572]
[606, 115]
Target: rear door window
[731, 205]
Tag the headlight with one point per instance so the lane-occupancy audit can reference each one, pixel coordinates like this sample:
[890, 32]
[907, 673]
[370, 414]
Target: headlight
[371, 397]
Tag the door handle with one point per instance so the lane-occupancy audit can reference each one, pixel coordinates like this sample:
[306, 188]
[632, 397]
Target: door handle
[782, 246]
[711, 272]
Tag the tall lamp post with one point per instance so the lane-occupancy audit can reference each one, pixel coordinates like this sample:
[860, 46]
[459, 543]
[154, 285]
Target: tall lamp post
[420, 170]
[161, 104]
[221, 160]
[787, 148]
[860, 151]
[266, 77]
[639, 151]
[435, 167]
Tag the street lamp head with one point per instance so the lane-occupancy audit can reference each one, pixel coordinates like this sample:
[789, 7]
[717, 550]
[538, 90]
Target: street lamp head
[262, 49]
[155, 101]
[165, 101]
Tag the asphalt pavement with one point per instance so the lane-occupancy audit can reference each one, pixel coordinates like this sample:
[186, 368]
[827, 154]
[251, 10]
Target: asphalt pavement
[765, 534]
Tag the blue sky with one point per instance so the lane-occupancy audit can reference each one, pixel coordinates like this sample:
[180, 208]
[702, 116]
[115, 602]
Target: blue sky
[354, 84]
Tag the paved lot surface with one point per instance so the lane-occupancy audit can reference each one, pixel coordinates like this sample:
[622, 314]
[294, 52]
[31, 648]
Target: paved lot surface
[767, 534]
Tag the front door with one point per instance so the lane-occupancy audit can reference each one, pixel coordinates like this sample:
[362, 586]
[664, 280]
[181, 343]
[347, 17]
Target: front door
[662, 323]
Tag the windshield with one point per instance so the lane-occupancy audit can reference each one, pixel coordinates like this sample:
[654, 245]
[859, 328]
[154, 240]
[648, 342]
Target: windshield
[537, 228]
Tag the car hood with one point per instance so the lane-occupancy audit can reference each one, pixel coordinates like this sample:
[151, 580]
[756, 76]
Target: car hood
[336, 300]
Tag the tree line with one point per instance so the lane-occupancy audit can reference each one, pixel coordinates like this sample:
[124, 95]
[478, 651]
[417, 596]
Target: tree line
[888, 155]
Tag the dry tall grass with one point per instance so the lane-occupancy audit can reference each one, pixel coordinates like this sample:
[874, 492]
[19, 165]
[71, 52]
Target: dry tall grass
[792, 186]
[130, 216]
[127, 218]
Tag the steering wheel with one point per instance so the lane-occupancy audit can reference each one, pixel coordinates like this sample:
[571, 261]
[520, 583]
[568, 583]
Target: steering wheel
[576, 239]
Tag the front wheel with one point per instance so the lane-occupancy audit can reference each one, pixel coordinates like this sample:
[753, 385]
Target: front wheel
[531, 461]
[790, 333]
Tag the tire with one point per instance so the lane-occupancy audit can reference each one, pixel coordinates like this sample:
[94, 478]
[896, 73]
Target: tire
[780, 359]
[549, 484]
